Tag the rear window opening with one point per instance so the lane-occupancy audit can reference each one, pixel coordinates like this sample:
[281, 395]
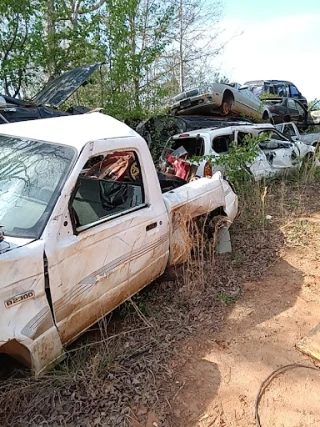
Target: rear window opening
[194, 146]
[220, 144]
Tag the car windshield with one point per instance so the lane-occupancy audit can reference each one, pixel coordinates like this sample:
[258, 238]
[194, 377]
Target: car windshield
[272, 134]
[256, 90]
[31, 176]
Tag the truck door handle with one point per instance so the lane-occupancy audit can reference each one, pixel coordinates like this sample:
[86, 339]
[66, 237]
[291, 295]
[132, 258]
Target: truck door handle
[151, 226]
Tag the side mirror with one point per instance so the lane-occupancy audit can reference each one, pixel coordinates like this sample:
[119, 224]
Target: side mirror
[243, 87]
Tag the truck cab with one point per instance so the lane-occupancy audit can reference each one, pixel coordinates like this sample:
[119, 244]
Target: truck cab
[84, 227]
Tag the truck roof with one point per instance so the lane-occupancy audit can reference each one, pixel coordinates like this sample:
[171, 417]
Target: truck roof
[75, 131]
[260, 82]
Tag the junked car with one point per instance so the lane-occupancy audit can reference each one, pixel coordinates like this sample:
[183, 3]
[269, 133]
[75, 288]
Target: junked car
[276, 153]
[279, 110]
[315, 117]
[157, 129]
[85, 225]
[217, 98]
[281, 88]
[45, 104]
[291, 132]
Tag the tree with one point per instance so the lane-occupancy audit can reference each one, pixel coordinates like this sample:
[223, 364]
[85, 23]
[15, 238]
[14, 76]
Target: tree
[135, 36]
[195, 39]
[21, 33]
[149, 48]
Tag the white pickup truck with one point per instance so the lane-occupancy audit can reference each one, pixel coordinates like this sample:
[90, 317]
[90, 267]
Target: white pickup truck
[291, 131]
[84, 226]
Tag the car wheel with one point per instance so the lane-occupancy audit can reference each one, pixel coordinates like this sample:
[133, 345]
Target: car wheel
[286, 119]
[226, 105]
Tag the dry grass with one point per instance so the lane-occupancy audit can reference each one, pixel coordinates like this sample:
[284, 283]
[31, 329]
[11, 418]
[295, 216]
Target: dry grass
[125, 366]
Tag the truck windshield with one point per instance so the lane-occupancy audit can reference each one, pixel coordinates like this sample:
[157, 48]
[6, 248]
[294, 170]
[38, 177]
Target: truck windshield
[31, 176]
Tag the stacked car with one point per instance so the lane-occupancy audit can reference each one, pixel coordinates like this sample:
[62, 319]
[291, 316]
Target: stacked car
[205, 121]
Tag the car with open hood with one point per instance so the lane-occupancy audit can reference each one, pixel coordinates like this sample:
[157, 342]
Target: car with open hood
[46, 103]
[280, 110]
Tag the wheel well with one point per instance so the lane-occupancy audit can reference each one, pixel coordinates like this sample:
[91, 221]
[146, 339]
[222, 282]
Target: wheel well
[17, 351]
[227, 96]
[265, 115]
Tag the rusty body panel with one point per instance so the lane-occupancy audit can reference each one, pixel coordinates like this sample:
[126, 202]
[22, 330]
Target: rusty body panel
[199, 197]
[56, 286]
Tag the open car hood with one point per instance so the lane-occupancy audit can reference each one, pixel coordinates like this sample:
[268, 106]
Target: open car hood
[60, 89]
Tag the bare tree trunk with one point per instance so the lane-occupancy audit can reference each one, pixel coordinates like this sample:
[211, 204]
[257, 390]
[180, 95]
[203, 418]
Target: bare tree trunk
[181, 46]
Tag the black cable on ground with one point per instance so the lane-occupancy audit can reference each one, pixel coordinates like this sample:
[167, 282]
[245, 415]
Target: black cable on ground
[268, 380]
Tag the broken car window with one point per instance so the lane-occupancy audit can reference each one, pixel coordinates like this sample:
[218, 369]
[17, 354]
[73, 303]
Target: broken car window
[288, 131]
[108, 185]
[257, 90]
[31, 176]
[271, 134]
[193, 146]
[220, 144]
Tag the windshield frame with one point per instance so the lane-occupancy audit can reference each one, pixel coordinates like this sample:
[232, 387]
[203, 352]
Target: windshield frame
[43, 220]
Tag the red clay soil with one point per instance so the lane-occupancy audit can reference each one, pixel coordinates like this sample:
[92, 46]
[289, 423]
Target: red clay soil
[220, 375]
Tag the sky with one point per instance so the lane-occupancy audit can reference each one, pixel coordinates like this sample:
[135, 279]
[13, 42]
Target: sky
[272, 39]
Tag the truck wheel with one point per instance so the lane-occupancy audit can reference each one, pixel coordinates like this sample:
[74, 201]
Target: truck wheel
[169, 275]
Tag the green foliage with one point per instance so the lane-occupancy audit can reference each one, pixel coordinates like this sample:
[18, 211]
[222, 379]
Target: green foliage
[136, 35]
[21, 32]
[40, 39]
[266, 95]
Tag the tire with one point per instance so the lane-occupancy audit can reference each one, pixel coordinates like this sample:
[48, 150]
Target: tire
[226, 105]
[286, 119]
[169, 275]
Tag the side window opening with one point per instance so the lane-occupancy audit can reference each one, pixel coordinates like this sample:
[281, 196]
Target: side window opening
[294, 91]
[288, 131]
[242, 136]
[292, 104]
[220, 144]
[193, 146]
[108, 185]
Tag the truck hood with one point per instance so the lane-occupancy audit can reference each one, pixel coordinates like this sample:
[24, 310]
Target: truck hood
[21, 266]
[60, 89]
[10, 243]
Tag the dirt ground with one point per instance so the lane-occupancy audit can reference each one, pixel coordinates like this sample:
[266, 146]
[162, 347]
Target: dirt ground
[194, 353]
[221, 376]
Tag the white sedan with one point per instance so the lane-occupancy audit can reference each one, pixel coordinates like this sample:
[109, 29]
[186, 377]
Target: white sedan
[226, 99]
